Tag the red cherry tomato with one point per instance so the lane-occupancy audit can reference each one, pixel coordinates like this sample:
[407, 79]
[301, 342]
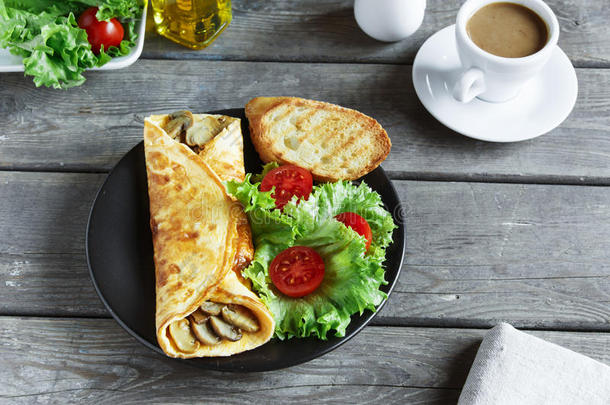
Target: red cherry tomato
[107, 33]
[297, 271]
[358, 224]
[289, 180]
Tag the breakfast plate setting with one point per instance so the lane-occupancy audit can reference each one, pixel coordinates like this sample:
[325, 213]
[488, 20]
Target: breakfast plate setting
[259, 238]
[225, 219]
[196, 256]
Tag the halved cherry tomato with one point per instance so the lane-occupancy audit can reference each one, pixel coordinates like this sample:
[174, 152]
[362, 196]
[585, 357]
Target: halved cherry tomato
[297, 271]
[289, 180]
[107, 33]
[358, 224]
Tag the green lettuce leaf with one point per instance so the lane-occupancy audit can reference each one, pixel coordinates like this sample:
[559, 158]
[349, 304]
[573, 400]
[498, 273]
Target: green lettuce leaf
[352, 277]
[257, 178]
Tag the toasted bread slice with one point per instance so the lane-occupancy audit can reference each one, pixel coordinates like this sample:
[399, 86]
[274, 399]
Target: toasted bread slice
[332, 142]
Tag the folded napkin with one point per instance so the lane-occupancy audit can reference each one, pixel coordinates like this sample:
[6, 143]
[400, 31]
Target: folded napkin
[512, 367]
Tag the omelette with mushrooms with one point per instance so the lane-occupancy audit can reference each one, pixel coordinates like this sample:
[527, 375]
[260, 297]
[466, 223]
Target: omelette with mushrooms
[201, 238]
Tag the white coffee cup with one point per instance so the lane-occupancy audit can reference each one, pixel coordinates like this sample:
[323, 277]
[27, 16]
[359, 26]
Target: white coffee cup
[494, 78]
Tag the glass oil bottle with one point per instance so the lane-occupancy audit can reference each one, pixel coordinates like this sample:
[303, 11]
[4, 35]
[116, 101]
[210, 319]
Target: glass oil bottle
[192, 23]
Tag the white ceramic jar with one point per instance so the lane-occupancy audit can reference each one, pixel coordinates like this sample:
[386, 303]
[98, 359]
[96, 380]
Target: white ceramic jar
[389, 20]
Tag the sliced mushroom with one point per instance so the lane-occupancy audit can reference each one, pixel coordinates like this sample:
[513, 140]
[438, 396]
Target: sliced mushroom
[203, 131]
[211, 308]
[199, 317]
[225, 330]
[241, 317]
[205, 334]
[179, 122]
[183, 338]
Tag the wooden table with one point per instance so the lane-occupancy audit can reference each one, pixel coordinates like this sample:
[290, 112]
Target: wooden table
[517, 232]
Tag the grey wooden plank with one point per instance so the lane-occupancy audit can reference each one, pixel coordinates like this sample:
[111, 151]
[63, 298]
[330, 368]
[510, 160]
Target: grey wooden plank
[52, 284]
[481, 253]
[89, 128]
[43, 269]
[326, 31]
[477, 253]
[94, 361]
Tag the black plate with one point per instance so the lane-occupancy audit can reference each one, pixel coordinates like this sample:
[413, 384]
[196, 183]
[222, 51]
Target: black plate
[120, 258]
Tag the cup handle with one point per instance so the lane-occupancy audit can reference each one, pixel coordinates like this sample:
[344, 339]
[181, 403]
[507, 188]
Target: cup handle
[470, 85]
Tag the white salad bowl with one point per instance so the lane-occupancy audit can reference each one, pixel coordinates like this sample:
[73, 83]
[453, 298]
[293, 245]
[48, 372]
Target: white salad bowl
[14, 63]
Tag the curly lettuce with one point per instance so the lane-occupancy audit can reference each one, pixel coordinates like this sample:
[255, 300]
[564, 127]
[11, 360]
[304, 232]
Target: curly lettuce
[55, 50]
[352, 276]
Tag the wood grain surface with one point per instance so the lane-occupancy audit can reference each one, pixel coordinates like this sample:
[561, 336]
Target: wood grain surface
[477, 253]
[326, 31]
[496, 232]
[95, 361]
[90, 127]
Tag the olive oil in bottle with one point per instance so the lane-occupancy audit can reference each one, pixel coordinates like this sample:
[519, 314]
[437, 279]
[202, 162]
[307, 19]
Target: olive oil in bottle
[192, 23]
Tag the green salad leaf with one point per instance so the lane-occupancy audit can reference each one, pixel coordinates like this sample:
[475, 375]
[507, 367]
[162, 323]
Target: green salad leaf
[352, 276]
[55, 50]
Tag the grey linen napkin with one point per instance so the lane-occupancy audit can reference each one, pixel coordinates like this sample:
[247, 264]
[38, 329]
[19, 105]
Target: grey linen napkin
[512, 367]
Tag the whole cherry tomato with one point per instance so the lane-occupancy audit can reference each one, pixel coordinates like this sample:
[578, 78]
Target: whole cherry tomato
[107, 33]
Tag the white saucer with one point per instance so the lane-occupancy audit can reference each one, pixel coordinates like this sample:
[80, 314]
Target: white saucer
[542, 105]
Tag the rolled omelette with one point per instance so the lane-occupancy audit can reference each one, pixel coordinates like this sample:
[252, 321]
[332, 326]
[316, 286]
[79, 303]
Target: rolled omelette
[201, 238]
